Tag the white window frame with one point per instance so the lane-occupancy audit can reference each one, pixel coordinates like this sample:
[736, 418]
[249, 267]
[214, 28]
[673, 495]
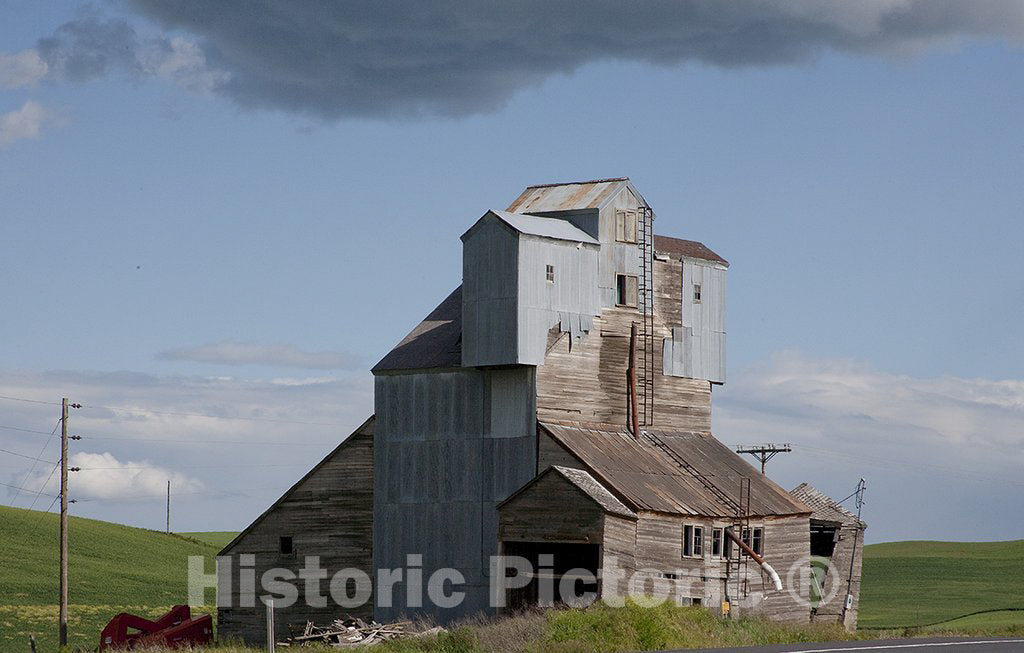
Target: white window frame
[696, 293]
[693, 540]
[549, 273]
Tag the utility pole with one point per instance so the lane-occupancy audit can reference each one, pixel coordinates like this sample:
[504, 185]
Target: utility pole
[168, 531]
[764, 452]
[64, 522]
[848, 604]
[64, 516]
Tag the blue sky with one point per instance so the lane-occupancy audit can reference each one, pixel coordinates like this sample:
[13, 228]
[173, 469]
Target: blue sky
[199, 241]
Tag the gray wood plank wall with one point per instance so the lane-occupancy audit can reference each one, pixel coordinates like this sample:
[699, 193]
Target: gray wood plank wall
[329, 514]
[588, 383]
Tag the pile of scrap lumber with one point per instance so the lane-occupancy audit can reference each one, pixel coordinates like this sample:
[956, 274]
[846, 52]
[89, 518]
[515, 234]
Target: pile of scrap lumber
[355, 632]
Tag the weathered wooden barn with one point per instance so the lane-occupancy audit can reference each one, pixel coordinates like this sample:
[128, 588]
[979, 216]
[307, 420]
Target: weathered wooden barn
[557, 403]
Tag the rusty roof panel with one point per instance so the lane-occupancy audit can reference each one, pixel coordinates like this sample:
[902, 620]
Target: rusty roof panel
[687, 248]
[566, 197]
[647, 478]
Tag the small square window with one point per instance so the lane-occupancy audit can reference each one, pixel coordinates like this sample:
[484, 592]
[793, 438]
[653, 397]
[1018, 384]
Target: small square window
[696, 293]
[550, 273]
[286, 545]
[625, 290]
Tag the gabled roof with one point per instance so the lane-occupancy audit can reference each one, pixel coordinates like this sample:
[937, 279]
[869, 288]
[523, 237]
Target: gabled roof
[686, 248]
[586, 484]
[573, 195]
[647, 477]
[823, 507]
[546, 227]
[435, 342]
[344, 443]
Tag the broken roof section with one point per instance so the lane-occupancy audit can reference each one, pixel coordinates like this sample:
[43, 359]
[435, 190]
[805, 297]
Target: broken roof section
[679, 248]
[586, 484]
[533, 225]
[823, 507]
[645, 477]
[572, 196]
[435, 342]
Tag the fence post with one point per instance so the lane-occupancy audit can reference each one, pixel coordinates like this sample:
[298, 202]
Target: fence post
[270, 626]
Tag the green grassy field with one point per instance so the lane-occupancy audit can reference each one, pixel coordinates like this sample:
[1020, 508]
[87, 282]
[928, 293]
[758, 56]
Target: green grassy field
[112, 568]
[219, 539]
[117, 568]
[919, 583]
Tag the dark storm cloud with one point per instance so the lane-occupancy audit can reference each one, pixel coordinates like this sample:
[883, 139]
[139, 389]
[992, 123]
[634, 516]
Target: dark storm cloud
[334, 59]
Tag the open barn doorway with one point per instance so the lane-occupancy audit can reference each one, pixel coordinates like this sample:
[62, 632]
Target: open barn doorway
[567, 561]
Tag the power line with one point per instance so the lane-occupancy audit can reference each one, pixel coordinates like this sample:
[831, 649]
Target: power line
[41, 451]
[15, 428]
[15, 487]
[144, 411]
[21, 455]
[43, 487]
[30, 401]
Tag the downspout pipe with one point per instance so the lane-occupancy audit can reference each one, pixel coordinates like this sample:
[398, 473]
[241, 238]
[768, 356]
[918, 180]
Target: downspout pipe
[776, 581]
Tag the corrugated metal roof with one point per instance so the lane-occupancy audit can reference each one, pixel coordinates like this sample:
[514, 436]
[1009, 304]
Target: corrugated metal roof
[569, 196]
[647, 478]
[435, 342]
[547, 227]
[599, 493]
[687, 248]
[823, 507]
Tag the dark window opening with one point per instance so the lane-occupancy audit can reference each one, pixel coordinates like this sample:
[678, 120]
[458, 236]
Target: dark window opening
[716, 542]
[286, 545]
[757, 544]
[693, 541]
[625, 290]
[567, 557]
[696, 293]
[823, 540]
[550, 273]
[698, 601]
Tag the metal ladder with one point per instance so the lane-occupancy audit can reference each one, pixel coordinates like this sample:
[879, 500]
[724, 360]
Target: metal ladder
[645, 302]
[741, 525]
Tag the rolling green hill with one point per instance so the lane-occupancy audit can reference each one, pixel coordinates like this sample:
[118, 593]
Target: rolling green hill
[112, 568]
[920, 583]
[219, 539]
[116, 568]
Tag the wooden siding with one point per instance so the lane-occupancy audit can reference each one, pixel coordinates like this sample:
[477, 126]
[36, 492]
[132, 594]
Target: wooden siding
[588, 383]
[836, 585]
[551, 510]
[328, 514]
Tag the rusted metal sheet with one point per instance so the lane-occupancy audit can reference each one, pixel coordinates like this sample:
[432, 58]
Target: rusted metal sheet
[647, 478]
[567, 197]
[686, 248]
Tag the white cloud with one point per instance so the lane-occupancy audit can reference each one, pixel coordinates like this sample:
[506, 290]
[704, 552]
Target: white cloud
[23, 68]
[182, 62]
[103, 476]
[25, 123]
[245, 441]
[942, 455]
[246, 353]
